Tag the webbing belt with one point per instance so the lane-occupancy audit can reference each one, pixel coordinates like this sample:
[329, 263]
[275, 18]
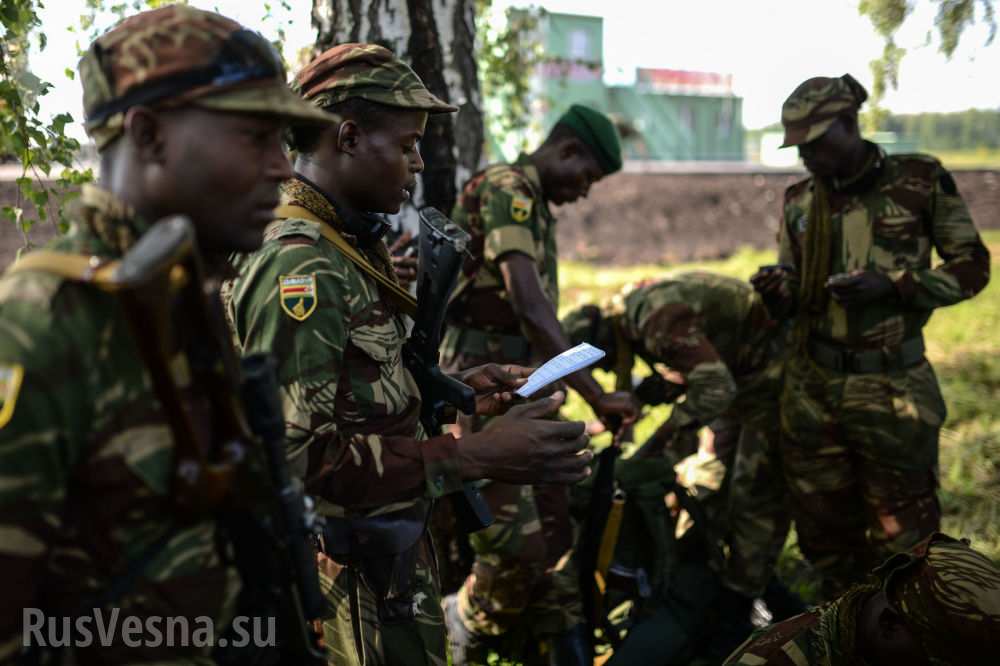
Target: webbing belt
[866, 361]
[402, 298]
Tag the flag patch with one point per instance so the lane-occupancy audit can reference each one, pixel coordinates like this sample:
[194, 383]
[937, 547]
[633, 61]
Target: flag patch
[520, 208]
[297, 294]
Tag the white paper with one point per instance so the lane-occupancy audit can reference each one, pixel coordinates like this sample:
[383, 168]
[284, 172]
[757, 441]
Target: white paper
[557, 367]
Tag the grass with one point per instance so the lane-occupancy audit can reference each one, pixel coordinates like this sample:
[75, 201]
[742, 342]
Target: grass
[964, 346]
[979, 158]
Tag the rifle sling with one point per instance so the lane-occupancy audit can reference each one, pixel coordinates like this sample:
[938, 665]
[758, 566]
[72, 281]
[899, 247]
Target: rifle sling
[76, 267]
[395, 293]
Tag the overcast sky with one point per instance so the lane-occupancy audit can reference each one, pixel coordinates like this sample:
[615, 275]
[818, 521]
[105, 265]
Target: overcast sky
[768, 45]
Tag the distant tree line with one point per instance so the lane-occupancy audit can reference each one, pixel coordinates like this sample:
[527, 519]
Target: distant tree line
[964, 130]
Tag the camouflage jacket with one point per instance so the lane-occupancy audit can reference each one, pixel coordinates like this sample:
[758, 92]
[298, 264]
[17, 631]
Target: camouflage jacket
[823, 636]
[808, 639]
[351, 408]
[504, 210]
[87, 459]
[712, 329]
[889, 219]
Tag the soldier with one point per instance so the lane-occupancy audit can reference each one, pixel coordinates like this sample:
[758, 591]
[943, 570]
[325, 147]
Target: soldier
[186, 108]
[504, 311]
[723, 354]
[321, 294]
[939, 604]
[861, 407]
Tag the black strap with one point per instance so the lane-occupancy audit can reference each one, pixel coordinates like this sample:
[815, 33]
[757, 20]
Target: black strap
[865, 361]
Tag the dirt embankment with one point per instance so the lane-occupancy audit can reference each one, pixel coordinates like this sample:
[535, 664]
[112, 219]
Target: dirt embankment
[634, 218]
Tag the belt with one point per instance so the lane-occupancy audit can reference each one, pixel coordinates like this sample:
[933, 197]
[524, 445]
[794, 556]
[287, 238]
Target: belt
[487, 343]
[383, 551]
[866, 361]
[349, 540]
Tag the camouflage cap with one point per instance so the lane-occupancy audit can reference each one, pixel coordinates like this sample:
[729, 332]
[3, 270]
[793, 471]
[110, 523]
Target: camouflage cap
[816, 103]
[367, 71]
[949, 595]
[177, 55]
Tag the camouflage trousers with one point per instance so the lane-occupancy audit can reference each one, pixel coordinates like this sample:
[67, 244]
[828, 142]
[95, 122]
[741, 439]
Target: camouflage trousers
[737, 477]
[860, 456]
[758, 515]
[354, 633]
[521, 580]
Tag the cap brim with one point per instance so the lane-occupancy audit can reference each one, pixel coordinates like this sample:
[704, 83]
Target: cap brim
[418, 100]
[274, 99]
[796, 136]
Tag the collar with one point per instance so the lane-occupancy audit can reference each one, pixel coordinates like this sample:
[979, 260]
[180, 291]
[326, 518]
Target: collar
[838, 625]
[862, 180]
[530, 171]
[114, 225]
[362, 229]
[300, 191]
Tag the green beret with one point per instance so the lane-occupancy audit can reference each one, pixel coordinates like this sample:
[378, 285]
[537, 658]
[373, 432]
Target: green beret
[598, 132]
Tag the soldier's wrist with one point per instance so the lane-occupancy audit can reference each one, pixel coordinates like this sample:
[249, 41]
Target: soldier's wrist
[470, 468]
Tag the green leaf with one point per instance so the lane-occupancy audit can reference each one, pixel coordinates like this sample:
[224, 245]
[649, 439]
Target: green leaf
[59, 123]
[70, 74]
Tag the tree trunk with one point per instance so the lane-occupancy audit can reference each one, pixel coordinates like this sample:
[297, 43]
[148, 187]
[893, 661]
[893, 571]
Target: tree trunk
[436, 37]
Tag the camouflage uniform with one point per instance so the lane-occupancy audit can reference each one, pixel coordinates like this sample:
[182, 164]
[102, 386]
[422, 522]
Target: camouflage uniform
[861, 409]
[352, 410]
[86, 453]
[947, 594]
[716, 332]
[504, 210]
[83, 430]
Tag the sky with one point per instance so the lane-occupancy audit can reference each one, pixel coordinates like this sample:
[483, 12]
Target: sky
[769, 46]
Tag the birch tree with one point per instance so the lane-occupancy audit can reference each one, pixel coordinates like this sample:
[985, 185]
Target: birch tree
[437, 39]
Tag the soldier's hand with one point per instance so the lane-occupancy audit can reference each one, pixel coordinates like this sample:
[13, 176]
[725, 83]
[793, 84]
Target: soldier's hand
[525, 447]
[495, 385]
[617, 410]
[860, 287]
[404, 264]
[773, 283]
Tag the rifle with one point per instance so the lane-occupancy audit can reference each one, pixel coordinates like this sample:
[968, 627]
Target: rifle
[592, 533]
[283, 577]
[442, 245]
[179, 326]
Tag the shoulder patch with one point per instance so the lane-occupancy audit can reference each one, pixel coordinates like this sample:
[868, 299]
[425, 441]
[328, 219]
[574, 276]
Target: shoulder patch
[297, 295]
[11, 377]
[292, 227]
[520, 208]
